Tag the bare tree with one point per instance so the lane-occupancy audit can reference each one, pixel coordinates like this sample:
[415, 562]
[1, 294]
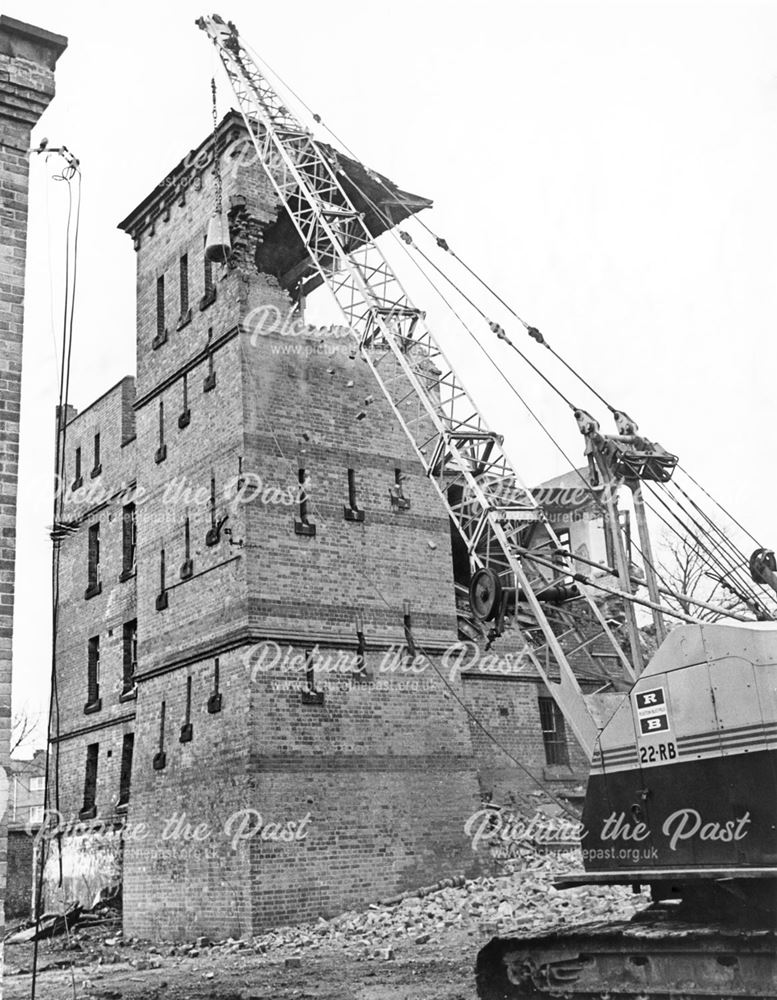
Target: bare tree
[684, 565]
[23, 729]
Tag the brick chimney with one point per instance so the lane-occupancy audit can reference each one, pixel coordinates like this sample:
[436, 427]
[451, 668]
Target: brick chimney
[28, 56]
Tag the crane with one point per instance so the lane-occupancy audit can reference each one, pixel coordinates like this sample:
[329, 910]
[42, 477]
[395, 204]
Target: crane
[694, 736]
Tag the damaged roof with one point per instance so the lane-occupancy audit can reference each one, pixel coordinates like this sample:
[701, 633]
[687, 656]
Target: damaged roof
[280, 251]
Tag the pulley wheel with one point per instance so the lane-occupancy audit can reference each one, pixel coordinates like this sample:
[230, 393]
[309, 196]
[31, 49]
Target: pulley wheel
[485, 594]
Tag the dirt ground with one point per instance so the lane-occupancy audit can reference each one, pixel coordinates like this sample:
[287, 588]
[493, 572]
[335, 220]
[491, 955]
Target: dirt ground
[419, 946]
[442, 971]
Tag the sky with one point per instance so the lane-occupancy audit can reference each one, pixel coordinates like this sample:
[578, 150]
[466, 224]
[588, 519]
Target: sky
[608, 167]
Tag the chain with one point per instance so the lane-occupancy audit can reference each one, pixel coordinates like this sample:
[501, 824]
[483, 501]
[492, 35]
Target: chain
[216, 160]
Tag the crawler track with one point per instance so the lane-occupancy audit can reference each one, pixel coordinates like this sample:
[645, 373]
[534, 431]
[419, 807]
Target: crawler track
[652, 958]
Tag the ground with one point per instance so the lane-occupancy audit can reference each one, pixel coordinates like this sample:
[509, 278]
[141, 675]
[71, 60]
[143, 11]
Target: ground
[419, 947]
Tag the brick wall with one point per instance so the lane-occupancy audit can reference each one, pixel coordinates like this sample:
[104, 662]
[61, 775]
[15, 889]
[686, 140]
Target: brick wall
[353, 790]
[27, 59]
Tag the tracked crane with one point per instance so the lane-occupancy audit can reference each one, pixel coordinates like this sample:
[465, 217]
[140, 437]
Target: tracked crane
[682, 795]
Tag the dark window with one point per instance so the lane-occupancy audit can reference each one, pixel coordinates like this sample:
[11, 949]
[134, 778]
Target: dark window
[352, 512]
[303, 496]
[130, 654]
[160, 307]
[93, 561]
[310, 671]
[188, 566]
[93, 671]
[209, 382]
[161, 452]
[97, 467]
[160, 758]
[302, 525]
[184, 418]
[208, 273]
[553, 732]
[90, 781]
[187, 728]
[214, 701]
[213, 534]
[129, 539]
[125, 777]
[209, 295]
[309, 694]
[407, 621]
[184, 285]
[78, 480]
[161, 598]
[397, 492]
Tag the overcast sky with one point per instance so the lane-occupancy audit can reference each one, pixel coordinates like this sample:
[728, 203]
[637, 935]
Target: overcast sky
[608, 167]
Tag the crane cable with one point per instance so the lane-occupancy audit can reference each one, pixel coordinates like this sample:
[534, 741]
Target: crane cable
[724, 567]
[70, 171]
[728, 552]
[407, 239]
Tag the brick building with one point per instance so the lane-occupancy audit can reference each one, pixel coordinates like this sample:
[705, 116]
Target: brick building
[252, 552]
[28, 56]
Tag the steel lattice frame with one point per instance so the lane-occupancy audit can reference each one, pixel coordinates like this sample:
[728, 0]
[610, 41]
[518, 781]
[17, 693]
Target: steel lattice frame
[450, 436]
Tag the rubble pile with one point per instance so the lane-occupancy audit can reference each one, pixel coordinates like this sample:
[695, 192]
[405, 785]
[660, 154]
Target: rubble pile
[522, 900]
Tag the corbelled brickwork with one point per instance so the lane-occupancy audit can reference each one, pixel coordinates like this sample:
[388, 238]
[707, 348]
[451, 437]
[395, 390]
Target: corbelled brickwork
[27, 59]
[290, 758]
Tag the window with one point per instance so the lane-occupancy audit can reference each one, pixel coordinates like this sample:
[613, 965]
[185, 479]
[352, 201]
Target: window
[125, 775]
[130, 655]
[310, 671]
[310, 696]
[352, 512]
[36, 814]
[214, 701]
[161, 332]
[187, 728]
[129, 541]
[210, 288]
[89, 809]
[184, 418]
[37, 784]
[97, 467]
[184, 289]
[161, 598]
[213, 534]
[553, 732]
[301, 525]
[161, 452]
[78, 481]
[93, 675]
[93, 562]
[160, 758]
[188, 565]
[397, 492]
[209, 382]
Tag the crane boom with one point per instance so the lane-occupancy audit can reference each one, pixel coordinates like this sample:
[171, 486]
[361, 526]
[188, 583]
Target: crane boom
[491, 506]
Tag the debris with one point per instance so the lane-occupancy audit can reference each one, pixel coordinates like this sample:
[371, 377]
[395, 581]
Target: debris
[49, 925]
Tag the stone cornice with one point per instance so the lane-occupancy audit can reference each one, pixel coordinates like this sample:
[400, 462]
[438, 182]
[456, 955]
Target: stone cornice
[27, 41]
